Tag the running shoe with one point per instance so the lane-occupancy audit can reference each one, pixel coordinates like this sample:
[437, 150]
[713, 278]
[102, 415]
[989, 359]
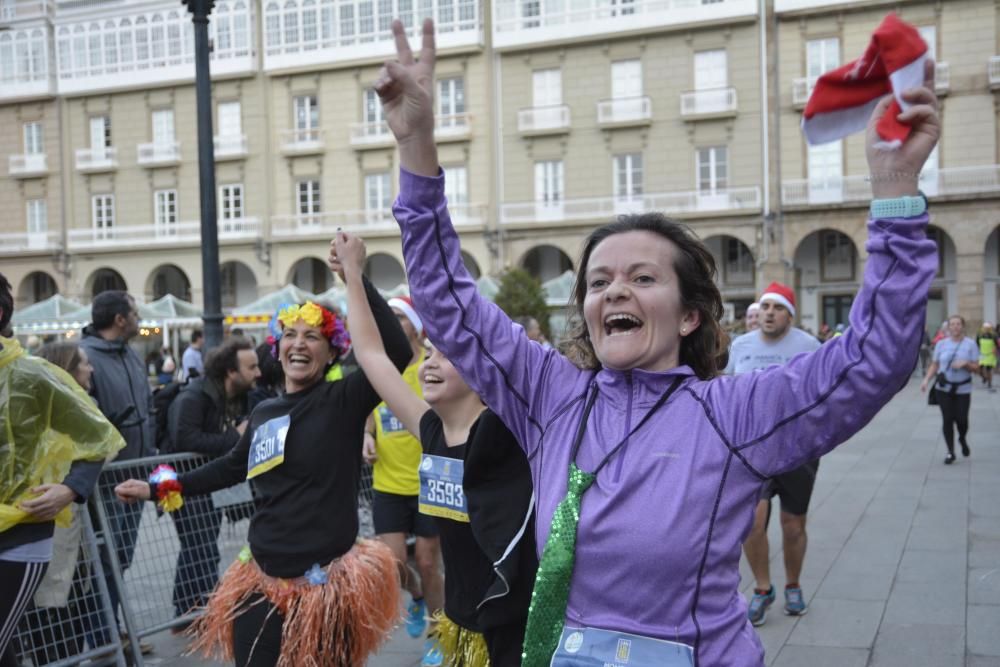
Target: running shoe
[795, 604]
[965, 446]
[432, 655]
[416, 618]
[758, 606]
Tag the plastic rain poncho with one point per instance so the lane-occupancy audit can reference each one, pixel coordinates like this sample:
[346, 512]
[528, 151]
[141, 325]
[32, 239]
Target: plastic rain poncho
[46, 423]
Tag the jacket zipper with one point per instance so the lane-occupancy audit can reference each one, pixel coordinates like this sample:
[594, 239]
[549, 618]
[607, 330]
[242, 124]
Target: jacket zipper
[628, 425]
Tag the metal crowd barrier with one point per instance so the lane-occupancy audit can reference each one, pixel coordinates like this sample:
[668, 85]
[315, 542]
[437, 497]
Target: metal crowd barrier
[158, 567]
[69, 634]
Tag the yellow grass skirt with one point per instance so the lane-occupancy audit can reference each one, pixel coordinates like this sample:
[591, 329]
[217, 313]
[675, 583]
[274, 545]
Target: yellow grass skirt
[459, 646]
[360, 599]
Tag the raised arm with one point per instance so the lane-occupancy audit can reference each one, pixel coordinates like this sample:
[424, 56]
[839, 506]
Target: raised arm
[511, 373]
[347, 257]
[782, 417]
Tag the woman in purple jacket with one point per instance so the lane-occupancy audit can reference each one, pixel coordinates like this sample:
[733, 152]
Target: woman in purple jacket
[646, 465]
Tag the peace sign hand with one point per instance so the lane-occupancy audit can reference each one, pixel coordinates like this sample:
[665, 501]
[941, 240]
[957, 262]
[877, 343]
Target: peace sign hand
[406, 88]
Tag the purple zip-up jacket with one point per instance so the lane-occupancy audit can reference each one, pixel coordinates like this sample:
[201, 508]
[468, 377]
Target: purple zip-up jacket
[661, 529]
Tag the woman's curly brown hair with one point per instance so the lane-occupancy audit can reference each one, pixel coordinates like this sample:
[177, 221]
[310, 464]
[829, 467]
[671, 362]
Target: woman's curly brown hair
[705, 350]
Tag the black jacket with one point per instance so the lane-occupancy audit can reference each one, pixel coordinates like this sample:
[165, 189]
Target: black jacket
[197, 420]
[500, 493]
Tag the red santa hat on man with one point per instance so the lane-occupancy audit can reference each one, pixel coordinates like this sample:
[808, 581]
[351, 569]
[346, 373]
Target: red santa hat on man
[843, 99]
[781, 294]
[405, 306]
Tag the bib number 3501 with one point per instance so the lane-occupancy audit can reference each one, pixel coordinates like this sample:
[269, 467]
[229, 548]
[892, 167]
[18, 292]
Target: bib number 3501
[441, 491]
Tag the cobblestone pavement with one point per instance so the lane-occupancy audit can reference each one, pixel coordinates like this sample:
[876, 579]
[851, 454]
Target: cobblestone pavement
[903, 566]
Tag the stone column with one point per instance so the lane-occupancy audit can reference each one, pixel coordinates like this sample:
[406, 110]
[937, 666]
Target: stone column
[970, 289]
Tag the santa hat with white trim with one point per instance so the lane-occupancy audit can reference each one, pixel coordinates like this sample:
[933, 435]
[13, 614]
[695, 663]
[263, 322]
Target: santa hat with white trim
[781, 294]
[405, 305]
[843, 99]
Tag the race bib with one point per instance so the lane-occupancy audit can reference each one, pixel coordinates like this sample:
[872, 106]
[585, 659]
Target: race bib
[267, 448]
[389, 422]
[592, 647]
[441, 488]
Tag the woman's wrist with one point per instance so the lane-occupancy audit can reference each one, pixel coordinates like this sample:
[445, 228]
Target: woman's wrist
[418, 155]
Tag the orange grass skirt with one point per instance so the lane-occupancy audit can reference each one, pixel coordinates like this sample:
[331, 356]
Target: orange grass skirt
[360, 600]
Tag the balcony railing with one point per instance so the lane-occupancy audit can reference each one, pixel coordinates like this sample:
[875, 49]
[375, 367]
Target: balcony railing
[953, 181]
[302, 141]
[674, 203]
[371, 135]
[994, 71]
[520, 22]
[942, 78]
[91, 160]
[28, 242]
[143, 235]
[801, 90]
[28, 165]
[452, 127]
[708, 103]
[833, 190]
[625, 111]
[544, 120]
[230, 146]
[158, 154]
[326, 224]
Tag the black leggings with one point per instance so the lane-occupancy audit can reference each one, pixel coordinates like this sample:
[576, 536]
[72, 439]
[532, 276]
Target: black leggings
[955, 412]
[18, 583]
[257, 634]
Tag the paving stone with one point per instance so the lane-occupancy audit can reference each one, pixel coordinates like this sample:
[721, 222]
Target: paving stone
[821, 656]
[839, 623]
[983, 625]
[984, 585]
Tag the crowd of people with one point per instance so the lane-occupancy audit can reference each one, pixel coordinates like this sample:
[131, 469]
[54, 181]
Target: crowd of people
[524, 472]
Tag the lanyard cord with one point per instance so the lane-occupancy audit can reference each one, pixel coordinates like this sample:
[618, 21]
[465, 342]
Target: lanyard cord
[586, 416]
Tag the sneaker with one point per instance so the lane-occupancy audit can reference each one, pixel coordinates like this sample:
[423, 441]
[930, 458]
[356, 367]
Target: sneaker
[432, 655]
[416, 618]
[758, 606]
[795, 604]
[965, 446]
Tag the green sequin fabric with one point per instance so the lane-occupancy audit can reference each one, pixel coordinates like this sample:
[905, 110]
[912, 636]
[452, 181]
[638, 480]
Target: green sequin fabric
[547, 611]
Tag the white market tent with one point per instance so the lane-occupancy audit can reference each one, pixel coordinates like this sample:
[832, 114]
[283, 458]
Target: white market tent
[45, 317]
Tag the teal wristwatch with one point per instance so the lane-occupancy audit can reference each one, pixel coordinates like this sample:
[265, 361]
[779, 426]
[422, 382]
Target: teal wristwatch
[900, 207]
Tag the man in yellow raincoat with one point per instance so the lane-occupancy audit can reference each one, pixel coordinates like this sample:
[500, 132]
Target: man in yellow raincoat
[53, 442]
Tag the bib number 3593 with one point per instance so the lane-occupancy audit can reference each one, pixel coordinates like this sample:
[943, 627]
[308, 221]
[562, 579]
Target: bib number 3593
[441, 491]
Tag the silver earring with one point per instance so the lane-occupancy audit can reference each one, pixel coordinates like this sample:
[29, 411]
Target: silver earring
[683, 330]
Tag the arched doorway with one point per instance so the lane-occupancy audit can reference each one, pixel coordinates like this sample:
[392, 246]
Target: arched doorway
[991, 277]
[546, 262]
[36, 286]
[736, 279]
[826, 279]
[311, 274]
[384, 271]
[942, 298]
[168, 279]
[472, 265]
[103, 280]
[238, 284]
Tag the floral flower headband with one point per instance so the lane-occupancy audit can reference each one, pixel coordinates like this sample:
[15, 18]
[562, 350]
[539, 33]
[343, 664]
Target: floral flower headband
[313, 315]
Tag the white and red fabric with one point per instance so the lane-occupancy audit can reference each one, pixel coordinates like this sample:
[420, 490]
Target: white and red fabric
[779, 293]
[405, 305]
[843, 99]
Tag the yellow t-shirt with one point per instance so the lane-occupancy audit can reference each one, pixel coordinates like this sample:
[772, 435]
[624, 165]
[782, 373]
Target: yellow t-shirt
[397, 468]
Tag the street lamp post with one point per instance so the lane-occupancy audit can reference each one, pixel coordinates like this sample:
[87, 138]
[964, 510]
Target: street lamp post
[200, 9]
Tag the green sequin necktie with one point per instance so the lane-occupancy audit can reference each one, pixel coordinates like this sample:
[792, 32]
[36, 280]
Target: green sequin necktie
[547, 611]
[549, 597]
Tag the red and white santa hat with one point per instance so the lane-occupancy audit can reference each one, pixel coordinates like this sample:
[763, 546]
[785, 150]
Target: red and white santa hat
[781, 294]
[843, 99]
[405, 305]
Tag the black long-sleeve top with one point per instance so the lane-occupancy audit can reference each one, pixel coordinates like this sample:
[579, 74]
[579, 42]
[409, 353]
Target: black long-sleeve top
[308, 512]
